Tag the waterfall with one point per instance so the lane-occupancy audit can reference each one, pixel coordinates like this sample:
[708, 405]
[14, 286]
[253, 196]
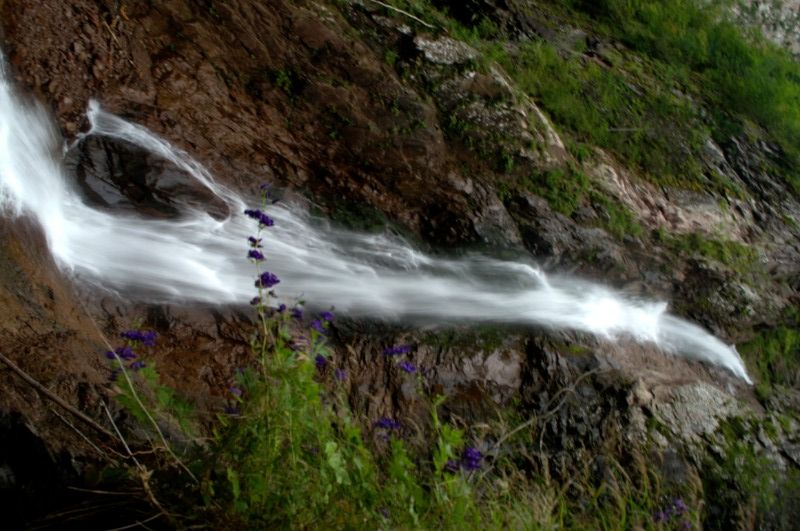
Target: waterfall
[197, 257]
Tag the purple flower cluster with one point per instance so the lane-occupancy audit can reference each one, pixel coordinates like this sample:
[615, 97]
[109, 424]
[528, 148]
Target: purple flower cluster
[675, 510]
[124, 353]
[326, 316]
[256, 255]
[263, 219]
[397, 350]
[297, 313]
[408, 367]
[317, 325]
[267, 280]
[320, 361]
[146, 338]
[470, 460]
[385, 423]
[254, 242]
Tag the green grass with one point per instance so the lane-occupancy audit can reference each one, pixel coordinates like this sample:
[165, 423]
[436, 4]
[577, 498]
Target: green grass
[737, 256]
[617, 218]
[688, 74]
[774, 354]
[749, 487]
[298, 456]
[567, 188]
[564, 188]
[738, 73]
[637, 118]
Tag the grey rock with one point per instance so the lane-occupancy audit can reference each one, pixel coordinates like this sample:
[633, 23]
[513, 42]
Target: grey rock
[445, 51]
[695, 410]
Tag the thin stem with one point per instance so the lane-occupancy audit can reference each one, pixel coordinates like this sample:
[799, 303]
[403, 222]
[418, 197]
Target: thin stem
[406, 13]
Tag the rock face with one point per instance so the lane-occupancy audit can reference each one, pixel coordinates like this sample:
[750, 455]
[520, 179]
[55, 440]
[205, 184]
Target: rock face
[366, 111]
[119, 176]
[778, 19]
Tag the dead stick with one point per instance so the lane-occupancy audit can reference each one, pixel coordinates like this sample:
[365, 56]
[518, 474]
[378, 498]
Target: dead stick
[55, 398]
[406, 13]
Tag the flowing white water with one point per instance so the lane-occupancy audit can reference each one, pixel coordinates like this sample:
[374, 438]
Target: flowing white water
[198, 258]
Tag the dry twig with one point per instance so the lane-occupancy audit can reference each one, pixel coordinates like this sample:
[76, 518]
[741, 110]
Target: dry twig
[54, 397]
[406, 13]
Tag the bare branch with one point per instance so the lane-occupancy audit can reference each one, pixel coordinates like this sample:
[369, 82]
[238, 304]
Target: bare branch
[406, 13]
[52, 396]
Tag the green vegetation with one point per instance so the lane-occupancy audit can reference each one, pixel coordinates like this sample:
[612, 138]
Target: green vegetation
[564, 190]
[738, 74]
[292, 453]
[648, 103]
[567, 189]
[749, 487]
[774, 355]
[638, 118]
[738, 257]
[617, 218]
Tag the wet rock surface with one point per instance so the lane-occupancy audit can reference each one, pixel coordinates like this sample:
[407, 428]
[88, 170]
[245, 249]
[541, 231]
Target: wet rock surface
[306, 96]
[117, 175]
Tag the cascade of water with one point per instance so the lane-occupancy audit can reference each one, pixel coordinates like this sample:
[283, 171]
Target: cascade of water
[199, 258]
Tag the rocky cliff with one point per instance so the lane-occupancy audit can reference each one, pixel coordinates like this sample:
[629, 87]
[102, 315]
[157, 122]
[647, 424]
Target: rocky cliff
[447, 122]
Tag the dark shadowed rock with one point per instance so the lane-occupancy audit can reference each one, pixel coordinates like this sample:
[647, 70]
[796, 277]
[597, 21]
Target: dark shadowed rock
[115, 174]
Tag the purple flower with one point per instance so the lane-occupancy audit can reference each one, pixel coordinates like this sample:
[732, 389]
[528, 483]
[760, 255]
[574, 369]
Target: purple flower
[263, 219]
[255, 243]
[678, 506]
[320, 361]
[255, 254]
[267, 280]
[147, 338]
[136, 365]
[397, 350]
[386, 423]
[340, 375]
[114, 375]
[326, 316]
[451, 466]
[408, 367]
[125, 353]
[297, 313]
[132, 335]
[255, 301]
[281, 308]
[317, 325]
[232, 410]
[471, 458]
[235, 391]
